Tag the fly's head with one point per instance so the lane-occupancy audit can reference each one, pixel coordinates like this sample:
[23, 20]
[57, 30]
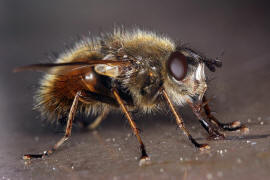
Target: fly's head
[185, 78]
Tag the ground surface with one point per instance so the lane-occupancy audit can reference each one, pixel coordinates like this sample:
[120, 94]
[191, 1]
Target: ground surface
[240, 91]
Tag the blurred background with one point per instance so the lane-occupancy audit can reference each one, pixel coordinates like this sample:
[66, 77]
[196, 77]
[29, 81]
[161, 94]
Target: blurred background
[30, 30]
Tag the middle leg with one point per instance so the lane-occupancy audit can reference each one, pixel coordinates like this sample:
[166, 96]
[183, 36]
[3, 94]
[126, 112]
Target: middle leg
[144, 157]
[99, 119]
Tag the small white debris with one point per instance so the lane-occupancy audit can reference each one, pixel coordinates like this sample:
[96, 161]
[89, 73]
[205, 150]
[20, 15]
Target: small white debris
[253, 143]
[181, 159]
[238, 160]
[249, 120]
[219, 173]
[225, 150]
[161, 170]
[248, 141]
[209, 176]
[136, 158]
[113, 139]
[53, 168]
[261, 123]
[221, 152]
[37, 138]
[259, 118]
[6, 178]
[72, 167]
[196, 158]
[119, 149]
[125, 56]
[108, 140]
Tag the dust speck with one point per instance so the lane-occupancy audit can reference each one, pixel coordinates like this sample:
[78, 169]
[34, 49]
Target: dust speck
[219, 173]
[253, 143]
[36, 138]
[238, 160]
[209, 176]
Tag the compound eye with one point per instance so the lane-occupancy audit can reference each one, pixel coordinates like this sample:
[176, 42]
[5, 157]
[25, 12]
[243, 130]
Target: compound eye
[177, 65]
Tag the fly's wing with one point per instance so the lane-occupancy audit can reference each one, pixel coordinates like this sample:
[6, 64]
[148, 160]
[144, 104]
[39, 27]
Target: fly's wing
[109, 68]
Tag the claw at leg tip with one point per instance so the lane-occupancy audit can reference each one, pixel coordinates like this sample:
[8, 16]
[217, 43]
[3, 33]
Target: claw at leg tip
[26, 157]
[236, 124]
[204, 147]
[144, 161]
[244, 129]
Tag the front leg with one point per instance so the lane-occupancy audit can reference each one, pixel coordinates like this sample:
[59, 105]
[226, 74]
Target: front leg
[180, 123]
[231, 126]
[212, 130]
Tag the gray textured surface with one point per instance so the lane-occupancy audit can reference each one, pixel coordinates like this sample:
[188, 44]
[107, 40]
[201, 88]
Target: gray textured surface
[241, 90]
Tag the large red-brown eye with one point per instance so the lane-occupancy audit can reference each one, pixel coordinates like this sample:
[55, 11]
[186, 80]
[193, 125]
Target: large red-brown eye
[177, 65]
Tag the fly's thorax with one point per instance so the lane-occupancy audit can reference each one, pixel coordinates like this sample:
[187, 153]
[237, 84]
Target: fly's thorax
[145, 83]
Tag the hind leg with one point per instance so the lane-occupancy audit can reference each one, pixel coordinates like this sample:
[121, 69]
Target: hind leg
[71, 116]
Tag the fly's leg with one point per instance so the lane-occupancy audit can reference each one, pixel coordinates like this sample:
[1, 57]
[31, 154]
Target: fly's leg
[180, 123]
[144, 157]
[231, 126]
[99, 119]
[212, 130]
[71, 116]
